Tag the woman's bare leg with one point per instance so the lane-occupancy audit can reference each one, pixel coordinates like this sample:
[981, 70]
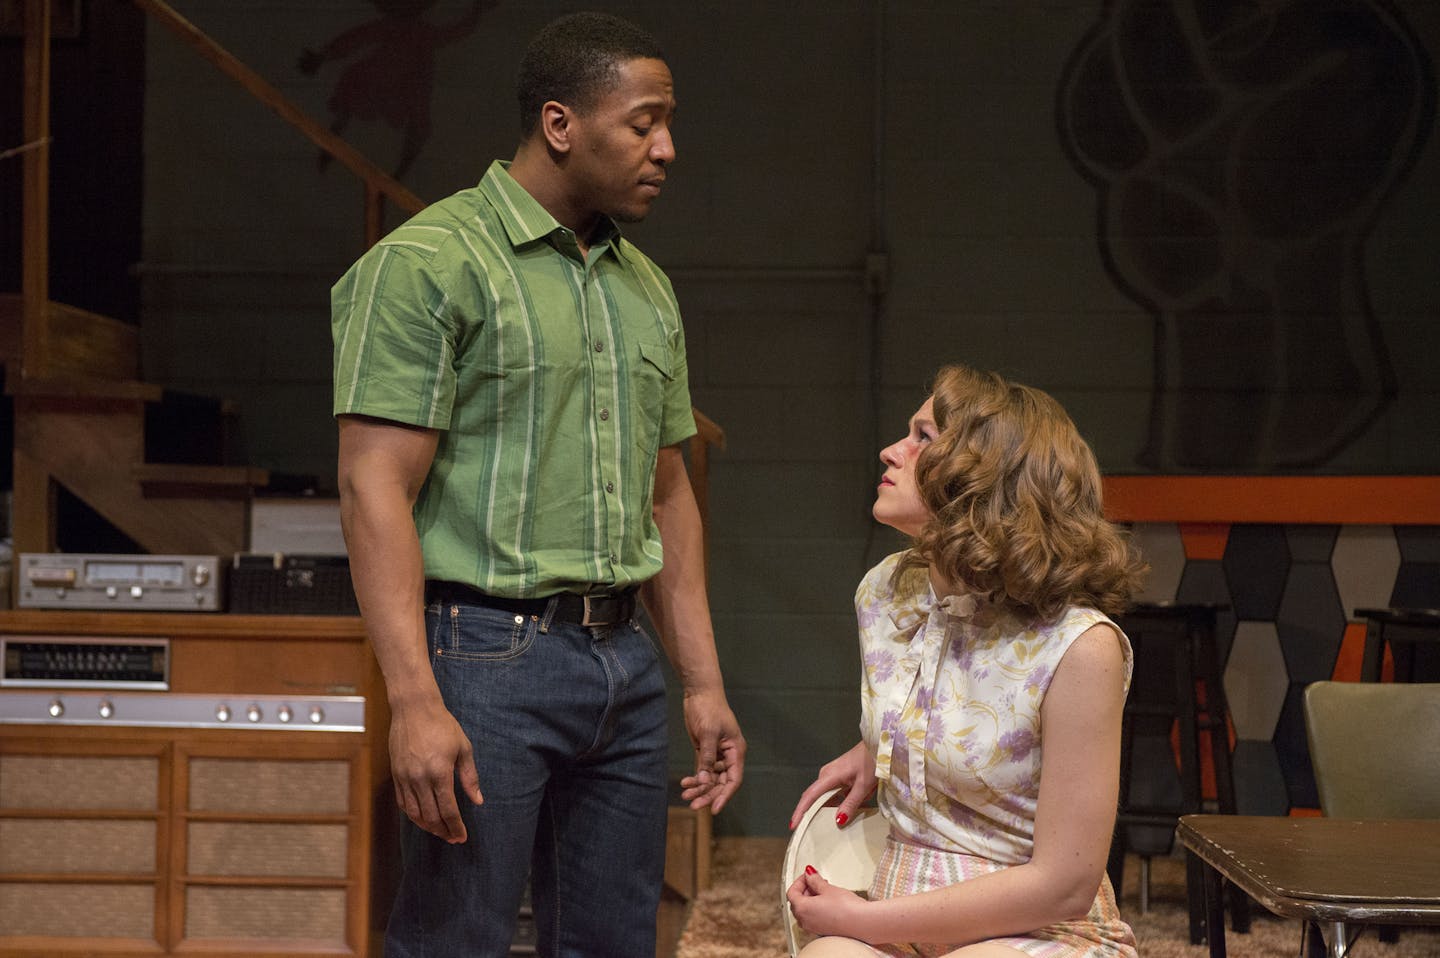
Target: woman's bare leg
[837, 948]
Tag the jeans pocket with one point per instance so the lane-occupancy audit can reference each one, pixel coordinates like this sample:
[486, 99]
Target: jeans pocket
[468, 633]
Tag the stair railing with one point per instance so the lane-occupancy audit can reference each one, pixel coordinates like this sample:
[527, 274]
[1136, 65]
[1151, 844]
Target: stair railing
[38, 356]
[378, 184]
[38, 359]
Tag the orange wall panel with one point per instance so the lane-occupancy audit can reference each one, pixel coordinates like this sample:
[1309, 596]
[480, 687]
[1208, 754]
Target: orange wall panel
[1368, 500]
[1204, 540]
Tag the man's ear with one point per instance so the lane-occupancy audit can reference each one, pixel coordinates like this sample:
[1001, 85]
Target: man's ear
[555, 125]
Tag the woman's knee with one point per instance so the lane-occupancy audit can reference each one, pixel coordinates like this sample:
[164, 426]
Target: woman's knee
[985, 949]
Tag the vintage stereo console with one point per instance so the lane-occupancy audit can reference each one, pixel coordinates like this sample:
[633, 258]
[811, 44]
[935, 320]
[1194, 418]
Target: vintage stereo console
[131, 583]
[183, 784]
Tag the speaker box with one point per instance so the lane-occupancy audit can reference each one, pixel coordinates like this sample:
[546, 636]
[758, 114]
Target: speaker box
[187, 846]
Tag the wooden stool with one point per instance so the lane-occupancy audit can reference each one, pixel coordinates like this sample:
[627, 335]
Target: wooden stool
[1177, 679]
[1404, 630]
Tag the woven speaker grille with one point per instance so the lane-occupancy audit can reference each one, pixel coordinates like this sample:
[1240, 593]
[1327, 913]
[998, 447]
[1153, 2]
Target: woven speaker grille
[91, 911]
[79, 782]
[254, 785]
[306, 851]
[68, 847]
[314, 914]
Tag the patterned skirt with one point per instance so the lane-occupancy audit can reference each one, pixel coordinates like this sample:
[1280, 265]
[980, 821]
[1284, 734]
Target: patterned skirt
[907, 869]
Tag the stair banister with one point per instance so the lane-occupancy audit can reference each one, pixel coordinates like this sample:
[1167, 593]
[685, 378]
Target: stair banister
[379, 185]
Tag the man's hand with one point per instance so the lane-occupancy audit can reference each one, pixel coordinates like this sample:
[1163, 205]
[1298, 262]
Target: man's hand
[676, 601]
[719, 751]
[428, 749]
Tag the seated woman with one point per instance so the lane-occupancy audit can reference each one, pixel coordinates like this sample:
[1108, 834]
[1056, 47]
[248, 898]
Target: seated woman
[992, 692]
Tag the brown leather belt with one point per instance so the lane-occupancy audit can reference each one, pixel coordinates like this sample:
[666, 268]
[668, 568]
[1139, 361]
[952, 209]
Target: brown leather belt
[596, 608]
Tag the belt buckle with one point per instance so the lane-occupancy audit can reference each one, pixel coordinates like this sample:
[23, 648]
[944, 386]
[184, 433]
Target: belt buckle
[605, 610]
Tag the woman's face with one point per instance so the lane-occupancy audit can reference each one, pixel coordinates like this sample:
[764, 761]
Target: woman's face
[897, 500]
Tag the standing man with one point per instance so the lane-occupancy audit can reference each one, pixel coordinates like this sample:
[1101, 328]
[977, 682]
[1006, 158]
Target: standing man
[511, 387]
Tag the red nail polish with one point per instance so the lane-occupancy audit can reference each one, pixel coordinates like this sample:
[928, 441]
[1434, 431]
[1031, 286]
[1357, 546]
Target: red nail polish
[810, 870]
[841, 818]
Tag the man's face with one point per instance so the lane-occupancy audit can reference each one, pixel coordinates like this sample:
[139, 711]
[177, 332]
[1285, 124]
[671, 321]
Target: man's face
[622, 146]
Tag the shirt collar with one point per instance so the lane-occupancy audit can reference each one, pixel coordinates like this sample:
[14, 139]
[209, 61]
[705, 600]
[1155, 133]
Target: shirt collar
[525, 220]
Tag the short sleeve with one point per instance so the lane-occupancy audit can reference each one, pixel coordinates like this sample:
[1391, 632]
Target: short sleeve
[678, 423]
[394, 340]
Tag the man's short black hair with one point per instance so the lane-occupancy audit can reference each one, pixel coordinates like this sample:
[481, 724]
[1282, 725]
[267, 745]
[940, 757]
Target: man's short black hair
[575, 60]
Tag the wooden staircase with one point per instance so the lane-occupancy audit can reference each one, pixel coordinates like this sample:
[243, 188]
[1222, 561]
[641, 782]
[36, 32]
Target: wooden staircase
[84, 421]
[80, 422]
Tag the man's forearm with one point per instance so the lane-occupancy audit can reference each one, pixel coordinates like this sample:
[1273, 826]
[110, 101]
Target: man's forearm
[676, 597]
[381, 470]
[388, 575]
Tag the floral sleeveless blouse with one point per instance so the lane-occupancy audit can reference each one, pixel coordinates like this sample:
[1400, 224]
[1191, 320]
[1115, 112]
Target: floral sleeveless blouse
[950, 708]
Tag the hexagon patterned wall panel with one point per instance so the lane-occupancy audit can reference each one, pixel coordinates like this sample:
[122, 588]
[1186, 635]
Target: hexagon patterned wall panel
[1364, 562]
[1310, 621]
[1162, 548]
[1257, 560]
[1289, 592]
[1255, 680]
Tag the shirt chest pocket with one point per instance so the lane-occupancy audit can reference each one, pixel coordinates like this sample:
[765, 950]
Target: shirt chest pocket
[651, 374]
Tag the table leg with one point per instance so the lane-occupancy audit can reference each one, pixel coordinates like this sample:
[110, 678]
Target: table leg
[1239, 908]
[1337, 941]
[1195, 894]
[1214, 909]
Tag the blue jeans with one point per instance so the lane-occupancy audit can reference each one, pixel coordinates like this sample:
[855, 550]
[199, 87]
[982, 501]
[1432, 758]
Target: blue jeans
[568, 727]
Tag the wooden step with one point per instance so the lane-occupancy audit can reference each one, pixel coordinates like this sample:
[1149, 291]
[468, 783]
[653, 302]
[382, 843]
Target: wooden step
[83, 389]
[182, 480]
[148, 460]
[80, 342]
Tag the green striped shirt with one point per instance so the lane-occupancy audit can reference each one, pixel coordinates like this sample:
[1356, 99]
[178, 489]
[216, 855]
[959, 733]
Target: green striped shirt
[554, 380]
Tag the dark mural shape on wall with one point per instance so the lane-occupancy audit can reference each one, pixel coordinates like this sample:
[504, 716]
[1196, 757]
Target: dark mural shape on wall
[1241, 152]
[391, 74]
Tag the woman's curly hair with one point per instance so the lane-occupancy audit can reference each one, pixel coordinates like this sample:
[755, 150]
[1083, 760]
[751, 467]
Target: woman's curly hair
[1015, 498]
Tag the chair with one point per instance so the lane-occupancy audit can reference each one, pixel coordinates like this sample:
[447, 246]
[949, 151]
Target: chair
[1375, 750]
[1177, 683]
[844, 856]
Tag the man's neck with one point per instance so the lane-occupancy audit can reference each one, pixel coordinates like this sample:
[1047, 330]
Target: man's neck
[535, 170]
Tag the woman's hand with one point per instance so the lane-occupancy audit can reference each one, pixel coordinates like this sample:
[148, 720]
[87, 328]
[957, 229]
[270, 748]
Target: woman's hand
[854, 771]
[825, 909]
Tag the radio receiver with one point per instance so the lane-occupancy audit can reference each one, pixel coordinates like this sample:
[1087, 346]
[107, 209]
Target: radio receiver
[61, 580]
